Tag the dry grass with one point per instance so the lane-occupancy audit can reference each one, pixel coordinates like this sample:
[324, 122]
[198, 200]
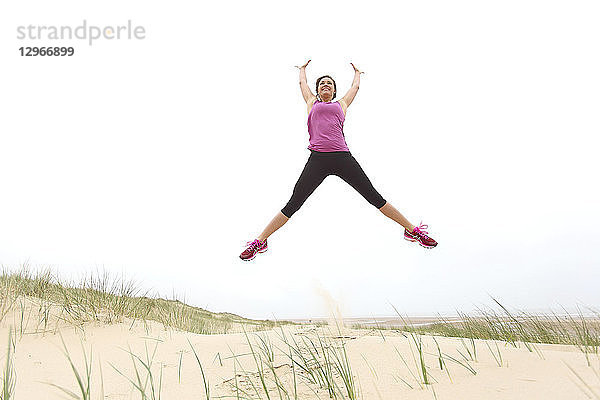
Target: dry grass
[40, 301]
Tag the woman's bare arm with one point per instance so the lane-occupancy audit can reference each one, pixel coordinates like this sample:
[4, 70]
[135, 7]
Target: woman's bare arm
[349, 96]
[308, 95]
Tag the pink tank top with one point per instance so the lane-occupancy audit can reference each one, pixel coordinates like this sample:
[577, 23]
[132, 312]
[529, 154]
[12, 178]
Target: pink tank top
[325, 127]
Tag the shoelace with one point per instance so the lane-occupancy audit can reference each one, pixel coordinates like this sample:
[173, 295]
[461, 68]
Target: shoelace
[253, 244]
[421, 230]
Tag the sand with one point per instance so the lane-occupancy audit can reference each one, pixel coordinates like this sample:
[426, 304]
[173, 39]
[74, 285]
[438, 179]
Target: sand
[378, 369]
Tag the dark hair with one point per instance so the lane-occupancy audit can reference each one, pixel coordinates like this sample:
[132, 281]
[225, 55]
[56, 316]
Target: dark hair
[334, 88]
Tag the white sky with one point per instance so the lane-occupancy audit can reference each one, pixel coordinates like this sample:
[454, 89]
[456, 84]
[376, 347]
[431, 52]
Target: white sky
[159, 158]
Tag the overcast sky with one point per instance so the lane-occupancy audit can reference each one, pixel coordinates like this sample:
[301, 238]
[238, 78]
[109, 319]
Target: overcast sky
[158, 158]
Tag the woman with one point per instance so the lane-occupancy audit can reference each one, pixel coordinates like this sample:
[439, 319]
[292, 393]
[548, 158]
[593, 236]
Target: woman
[330, 156]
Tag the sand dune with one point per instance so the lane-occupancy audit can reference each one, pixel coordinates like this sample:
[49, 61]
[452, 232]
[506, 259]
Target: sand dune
[375, 359]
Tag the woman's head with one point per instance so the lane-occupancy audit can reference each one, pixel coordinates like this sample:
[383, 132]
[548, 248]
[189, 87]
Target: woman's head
[326, 88]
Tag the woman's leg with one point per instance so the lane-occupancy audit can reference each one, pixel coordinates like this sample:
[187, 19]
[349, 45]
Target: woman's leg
[350, 171]
[390, 211]
[277, 222]
[311, 177]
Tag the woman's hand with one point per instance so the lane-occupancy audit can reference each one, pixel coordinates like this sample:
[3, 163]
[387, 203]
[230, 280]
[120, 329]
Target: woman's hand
[304, 66]
[355, 69]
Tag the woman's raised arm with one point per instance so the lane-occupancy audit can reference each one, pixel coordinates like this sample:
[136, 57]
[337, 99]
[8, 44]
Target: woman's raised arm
[309, 97]
[349, 96]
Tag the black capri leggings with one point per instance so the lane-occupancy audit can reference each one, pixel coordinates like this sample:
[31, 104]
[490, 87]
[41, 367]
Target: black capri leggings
[319, 166]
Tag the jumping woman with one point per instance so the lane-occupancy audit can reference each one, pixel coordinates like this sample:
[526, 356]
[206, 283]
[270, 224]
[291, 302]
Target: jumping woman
[330, 156]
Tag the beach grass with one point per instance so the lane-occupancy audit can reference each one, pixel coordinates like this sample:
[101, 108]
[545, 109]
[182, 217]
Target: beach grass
[324, 361]
[145, 381]
[515, 328]
[9, 376]
[83, 378]
[40, 301]
[204, 378]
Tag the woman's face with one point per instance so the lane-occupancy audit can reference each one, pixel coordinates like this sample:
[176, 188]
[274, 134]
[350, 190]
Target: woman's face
[326, 89]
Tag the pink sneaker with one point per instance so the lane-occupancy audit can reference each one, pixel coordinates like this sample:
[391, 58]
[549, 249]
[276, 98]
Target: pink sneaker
[253, 249]
[419, 234]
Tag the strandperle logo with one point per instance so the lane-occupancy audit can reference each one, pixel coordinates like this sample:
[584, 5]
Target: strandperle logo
[90, 33]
